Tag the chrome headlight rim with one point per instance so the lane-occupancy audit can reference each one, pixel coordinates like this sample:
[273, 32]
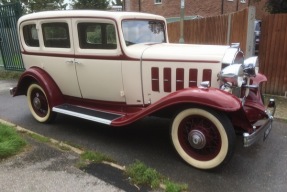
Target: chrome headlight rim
[251, 66]
[232, 75]
[233, 55]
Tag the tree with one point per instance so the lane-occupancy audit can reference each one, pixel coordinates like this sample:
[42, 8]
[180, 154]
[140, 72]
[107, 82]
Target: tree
[276, 6]
[117, 2]
[45, 5]
[29, 6]
[90, 4]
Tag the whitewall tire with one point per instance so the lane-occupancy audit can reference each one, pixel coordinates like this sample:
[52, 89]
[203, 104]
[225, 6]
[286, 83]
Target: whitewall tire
[203, 138]
[39, 104]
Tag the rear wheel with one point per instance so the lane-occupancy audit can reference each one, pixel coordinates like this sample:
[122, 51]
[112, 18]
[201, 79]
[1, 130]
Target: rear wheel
[203, 138]
[39, 104]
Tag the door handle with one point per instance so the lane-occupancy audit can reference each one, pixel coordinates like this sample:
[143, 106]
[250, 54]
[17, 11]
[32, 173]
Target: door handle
[77, 63]
[69, 62]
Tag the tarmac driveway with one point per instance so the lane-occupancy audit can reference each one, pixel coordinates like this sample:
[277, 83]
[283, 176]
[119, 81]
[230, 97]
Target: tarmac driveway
[261, 167]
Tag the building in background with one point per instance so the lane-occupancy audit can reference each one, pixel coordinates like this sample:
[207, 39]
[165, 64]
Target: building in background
[202, 8]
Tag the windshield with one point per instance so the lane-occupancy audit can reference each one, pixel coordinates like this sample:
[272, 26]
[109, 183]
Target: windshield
[143, 31]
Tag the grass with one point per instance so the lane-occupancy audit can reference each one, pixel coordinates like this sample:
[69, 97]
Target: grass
[39, 138]
[9, 74]
[10, 141]
[138, 172]
[174, 187]
[141, 174]
[95, 157]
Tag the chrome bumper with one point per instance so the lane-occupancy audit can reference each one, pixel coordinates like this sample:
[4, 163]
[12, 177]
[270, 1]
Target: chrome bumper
[263, 131]
[12, 91]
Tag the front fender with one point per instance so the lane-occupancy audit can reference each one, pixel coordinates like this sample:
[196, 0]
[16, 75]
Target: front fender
[38, 75]
[211, 97]
[259, 78]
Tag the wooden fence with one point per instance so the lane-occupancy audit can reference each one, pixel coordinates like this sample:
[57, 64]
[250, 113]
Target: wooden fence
[220, 30]
[273, 53]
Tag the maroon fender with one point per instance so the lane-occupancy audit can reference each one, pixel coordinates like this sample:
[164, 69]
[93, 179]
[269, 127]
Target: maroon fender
[211, 97]
[38, 75]
[254, 107]
[259, 78]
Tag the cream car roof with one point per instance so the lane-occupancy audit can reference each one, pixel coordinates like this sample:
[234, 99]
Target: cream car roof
[88, 13]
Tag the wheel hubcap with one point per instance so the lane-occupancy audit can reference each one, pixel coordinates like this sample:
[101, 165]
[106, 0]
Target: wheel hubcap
[37, 103]
[196, 139]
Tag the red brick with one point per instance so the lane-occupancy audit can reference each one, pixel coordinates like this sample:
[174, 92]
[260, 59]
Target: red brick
[206, 8]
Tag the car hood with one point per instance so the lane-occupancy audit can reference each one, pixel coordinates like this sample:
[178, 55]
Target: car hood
[180, 52]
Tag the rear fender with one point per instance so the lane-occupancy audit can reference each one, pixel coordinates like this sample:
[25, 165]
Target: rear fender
[38, 75]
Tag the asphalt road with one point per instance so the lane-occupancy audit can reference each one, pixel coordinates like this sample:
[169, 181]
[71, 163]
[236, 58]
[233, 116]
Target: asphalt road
[261, 167]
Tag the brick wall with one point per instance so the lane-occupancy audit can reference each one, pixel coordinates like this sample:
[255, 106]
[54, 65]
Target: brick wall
[205, 8]
[260, 9]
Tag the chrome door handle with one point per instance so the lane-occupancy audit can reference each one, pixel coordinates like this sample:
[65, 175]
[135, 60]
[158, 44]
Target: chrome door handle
[70, 62]
[77, 63]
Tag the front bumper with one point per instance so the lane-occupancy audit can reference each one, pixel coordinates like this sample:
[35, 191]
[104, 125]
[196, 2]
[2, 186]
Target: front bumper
[264, 129]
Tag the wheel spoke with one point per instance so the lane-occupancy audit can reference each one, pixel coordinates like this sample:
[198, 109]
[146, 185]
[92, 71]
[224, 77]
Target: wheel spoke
[211, 139]
[204, 138]
[39, 102]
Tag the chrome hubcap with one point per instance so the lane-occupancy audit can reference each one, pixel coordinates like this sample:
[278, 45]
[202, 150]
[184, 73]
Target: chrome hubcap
[196, 139]
[37, 102]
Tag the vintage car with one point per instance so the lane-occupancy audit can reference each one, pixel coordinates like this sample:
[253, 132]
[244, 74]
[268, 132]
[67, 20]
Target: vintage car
[118, 67]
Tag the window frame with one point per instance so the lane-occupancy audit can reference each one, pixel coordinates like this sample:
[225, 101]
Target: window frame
[157, 2]
[104, 44]
[95, 52]
[67, 29]
[28, 36]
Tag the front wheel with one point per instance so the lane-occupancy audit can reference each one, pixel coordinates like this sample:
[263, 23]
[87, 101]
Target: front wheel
[203, 138]
[39, 104]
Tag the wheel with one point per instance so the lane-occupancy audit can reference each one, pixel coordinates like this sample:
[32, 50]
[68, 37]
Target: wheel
[39, 104]
[203, 138]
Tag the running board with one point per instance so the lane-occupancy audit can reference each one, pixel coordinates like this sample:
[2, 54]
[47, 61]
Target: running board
[88, 114]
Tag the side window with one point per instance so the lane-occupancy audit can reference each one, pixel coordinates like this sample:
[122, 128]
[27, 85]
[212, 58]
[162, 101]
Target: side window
[97, 36]
[30, 35]
[56, 35]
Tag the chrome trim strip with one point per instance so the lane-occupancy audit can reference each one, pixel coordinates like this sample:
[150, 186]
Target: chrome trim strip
[83, 116]
[250, 86]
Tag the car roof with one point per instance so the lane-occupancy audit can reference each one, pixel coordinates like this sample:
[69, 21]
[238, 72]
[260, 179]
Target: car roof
[90, 14]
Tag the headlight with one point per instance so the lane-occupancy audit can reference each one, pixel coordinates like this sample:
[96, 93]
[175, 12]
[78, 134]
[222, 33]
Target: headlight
[251, 66]
[232, 74]
[232, 56]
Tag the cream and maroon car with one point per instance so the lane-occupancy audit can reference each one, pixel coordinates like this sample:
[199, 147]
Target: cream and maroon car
[118, 67]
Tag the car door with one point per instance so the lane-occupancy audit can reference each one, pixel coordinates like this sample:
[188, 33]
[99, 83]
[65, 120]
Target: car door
[98, 60]
[48, 45]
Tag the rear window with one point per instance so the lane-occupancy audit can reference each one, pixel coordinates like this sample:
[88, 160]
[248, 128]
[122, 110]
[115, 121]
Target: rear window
[30, 35]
